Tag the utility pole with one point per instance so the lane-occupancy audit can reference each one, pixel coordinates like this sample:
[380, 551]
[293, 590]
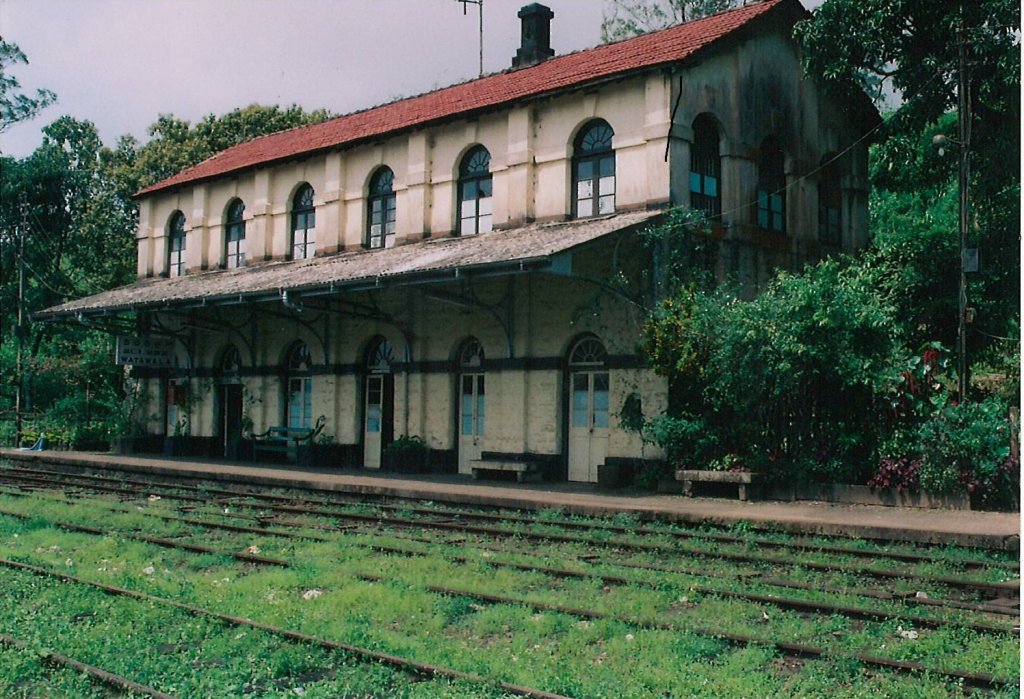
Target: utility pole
[20, 330]
[964, 122]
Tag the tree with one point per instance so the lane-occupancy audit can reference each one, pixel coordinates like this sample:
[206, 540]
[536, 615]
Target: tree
[794, 381]
[175, 144]
[78, 220]
[622, 19]
[16, 106]
[912, 47]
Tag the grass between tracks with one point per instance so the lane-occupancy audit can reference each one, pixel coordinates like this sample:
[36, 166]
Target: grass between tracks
[322, 594]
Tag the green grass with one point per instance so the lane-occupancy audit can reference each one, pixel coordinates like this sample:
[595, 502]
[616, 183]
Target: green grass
[516, 643]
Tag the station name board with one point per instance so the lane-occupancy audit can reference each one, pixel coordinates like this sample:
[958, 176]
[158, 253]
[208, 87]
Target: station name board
[145, 351]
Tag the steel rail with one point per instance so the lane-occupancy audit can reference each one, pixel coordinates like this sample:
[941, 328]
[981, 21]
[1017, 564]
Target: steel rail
[774, 600]
[995, 589]
[108, 678]
[951, 581]
[165, 543]
[404, 664]
[803, 544]
[976, 679]
[808, 606]
[752, 575]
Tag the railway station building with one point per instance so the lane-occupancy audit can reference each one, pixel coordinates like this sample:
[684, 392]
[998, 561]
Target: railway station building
[451, 265]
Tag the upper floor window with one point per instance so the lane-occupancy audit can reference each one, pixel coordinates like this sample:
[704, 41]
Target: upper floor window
[381, 206]
[475, 192]
[176, 245]
[303, 224]
[830, 200]
[234, 235]
[705, 168]
[593, 171]
[771, 187]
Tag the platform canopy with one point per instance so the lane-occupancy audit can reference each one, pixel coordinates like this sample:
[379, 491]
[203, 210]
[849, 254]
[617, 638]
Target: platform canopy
[523, 249]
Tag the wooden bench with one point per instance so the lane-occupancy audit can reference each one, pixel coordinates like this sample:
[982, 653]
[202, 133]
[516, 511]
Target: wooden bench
[740, 478]
[286, 440]
[526, 471]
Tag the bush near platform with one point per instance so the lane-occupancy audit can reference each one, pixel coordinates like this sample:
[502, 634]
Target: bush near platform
[815, 380]
[967, 447]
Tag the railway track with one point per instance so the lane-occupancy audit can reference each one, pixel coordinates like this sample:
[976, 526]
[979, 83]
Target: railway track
[358, 522]
[773, 599]
[997, 590]
[98, 674]
[365, 654]
[976, 680]
[992, 589]
[465, 514]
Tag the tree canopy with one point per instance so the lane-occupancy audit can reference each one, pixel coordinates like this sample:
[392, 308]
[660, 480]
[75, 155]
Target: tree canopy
[15, 105]
[622, 19]
[72, 201]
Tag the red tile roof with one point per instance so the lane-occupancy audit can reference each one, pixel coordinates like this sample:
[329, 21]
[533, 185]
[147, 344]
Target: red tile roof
[642, 52]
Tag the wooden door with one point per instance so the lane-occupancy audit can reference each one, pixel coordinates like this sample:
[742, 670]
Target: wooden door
[378, 418]
[588, 423]
[231, 413]
[472, 402]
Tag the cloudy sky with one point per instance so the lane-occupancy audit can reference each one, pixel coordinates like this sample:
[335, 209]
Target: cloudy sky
[121, 63]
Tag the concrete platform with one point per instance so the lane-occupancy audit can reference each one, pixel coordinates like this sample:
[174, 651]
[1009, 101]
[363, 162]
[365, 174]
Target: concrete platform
[992, 530]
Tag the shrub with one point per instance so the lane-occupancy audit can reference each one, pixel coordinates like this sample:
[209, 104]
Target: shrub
[407, 443]
[901, 474]
[967, 447]
[801, 375]
[687, 440]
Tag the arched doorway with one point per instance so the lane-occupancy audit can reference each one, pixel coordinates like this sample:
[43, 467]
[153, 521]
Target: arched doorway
[299, 387]
[378, 402]
[589, 384]
[472, 402]
[229, 408]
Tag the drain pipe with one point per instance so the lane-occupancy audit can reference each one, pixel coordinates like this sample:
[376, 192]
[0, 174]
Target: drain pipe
[290, 304]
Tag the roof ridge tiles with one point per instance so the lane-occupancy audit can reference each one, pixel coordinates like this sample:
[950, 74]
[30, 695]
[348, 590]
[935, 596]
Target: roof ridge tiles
[558, 72]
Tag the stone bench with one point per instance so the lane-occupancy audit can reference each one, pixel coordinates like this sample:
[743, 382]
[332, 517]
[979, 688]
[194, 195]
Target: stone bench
[526, 471]
[740, 478]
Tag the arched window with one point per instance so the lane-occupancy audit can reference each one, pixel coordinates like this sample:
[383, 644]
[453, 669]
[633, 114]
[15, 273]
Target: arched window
[472, 355]
[230, 363]
[705, 168]
[830, 200]
[380, 356]
[475, 192]
[299, 405]
[589, 352]
[176, 245]
[593, 171]
[771, 187]
[234, 235]
[303, 224]
[381, 207]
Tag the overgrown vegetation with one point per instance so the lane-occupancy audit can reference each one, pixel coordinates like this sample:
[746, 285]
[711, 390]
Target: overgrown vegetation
[70, 204]
[842, 372]
[326, 592]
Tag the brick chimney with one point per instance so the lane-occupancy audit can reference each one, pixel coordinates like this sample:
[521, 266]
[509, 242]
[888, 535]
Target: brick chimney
[536, 36]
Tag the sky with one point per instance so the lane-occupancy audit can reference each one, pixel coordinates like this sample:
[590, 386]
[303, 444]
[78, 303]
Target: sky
[122, 63]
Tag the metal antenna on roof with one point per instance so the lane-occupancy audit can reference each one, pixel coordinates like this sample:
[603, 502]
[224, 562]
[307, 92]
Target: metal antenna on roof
[480, 11]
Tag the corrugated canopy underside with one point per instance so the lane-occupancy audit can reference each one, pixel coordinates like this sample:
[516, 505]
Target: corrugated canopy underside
[434, 259]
